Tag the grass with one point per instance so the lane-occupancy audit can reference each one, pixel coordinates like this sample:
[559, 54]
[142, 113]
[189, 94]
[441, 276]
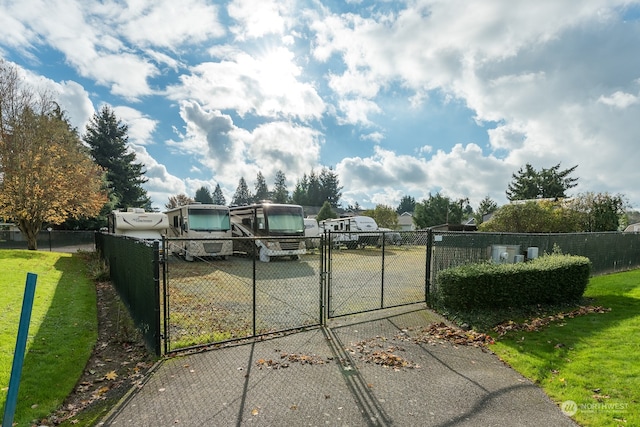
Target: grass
[593, 360]
[62, 332]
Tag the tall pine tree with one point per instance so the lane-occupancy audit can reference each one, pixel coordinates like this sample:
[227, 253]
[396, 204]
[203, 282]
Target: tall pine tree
[107, 139]
[218, 197]
[262, 191]
[280, 192]
[242, 196]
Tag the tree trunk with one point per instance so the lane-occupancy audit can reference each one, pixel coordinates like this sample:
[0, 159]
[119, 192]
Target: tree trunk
[30, 230]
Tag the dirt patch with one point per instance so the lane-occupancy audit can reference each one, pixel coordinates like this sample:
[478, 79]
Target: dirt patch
[119, 362]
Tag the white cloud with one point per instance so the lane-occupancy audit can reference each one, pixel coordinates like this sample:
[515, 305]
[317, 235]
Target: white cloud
[620, 100]
[266, 86]
[140, 126]
[257, 18]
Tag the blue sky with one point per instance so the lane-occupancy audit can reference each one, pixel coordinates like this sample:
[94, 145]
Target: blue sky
[399, 97]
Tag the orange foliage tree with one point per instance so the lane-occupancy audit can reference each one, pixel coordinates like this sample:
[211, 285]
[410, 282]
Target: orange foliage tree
[46, 174]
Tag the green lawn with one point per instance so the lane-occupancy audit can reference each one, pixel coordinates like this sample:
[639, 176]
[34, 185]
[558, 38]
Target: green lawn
[591, 362]
[62, 332]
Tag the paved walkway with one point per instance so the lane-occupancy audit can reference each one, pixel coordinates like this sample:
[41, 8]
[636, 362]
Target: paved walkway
[321, 377]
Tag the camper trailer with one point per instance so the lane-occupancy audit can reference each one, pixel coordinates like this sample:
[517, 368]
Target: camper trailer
[193, 224]
[311, 233]
[352, 232]
[136, 222]
[282, 225]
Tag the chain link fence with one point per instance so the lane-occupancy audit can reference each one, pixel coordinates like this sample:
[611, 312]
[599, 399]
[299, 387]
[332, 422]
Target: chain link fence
[371, 271]
[134, 267]
[211, 300]
[54, 240]
[608, 251]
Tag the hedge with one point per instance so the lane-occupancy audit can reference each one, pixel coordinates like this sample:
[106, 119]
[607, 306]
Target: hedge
[551, 279]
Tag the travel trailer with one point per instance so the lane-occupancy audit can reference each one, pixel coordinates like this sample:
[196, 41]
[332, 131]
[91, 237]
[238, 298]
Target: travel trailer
[193, 224]
[312, 233]
[352, 232]
[136, 222]
[281, 224]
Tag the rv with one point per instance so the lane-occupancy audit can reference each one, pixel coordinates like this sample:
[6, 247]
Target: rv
[352, 231]
[312, 233]
[195, 223]
[283, 225]
[138, 223]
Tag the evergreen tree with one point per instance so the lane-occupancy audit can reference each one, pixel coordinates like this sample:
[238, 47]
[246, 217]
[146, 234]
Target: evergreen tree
[280, 192]
[486, 206]
[107, 139]
[300, 194]
[218, 197]
[529, 183]
[203, 195]
[330, 187]
[407, 204]
[242, 196]
[314, 191]
[262, 191]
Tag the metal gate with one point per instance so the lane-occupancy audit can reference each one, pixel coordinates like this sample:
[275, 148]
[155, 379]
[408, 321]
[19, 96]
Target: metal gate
[380, 270]
[212, 301]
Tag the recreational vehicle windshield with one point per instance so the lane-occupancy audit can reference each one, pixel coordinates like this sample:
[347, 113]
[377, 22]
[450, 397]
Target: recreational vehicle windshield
[196, 223]
[138, 223]
[269, 220]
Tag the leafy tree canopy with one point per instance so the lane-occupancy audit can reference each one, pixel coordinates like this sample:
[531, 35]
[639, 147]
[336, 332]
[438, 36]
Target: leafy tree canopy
[37, 147]
[326, 212]
[178, 200]
[385, 216]
[438, 210]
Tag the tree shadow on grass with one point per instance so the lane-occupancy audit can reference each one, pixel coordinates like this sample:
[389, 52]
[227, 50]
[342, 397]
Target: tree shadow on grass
[62, 344]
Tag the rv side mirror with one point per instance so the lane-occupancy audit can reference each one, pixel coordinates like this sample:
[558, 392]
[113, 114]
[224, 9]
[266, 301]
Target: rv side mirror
[184, 226]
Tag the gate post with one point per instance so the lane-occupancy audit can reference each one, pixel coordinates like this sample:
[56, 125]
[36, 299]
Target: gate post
[427, 275]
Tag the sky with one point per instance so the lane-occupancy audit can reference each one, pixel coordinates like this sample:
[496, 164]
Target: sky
[399, 98]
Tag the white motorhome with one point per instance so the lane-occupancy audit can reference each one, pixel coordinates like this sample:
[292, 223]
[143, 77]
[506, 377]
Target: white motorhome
[352, 231]
[281, 224]
[136, 222]
[312, 233]
[195, 223]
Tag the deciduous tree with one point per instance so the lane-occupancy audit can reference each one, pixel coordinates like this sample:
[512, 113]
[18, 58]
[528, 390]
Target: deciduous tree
[46, 174]
[178, 200]
[385, 216]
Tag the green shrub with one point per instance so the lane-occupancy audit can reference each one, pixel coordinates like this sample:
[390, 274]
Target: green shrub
[551, 279]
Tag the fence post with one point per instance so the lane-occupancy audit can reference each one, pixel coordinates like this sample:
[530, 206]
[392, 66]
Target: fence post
[18, 355]
[156, 297]
[427, 274]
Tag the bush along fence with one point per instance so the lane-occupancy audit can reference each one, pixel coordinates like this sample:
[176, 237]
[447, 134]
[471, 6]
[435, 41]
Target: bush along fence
[552, 279]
